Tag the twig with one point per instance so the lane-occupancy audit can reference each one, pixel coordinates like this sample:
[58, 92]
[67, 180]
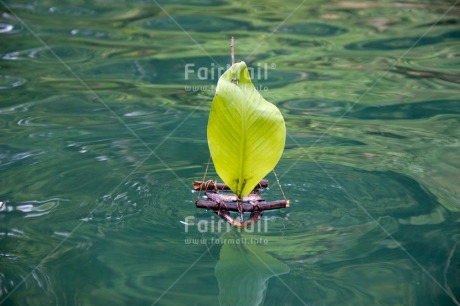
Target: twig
[278, 181]
[212, 185]
[226, 197]
[253, 218]
[246, 208]
[204, 175]
[232, 50]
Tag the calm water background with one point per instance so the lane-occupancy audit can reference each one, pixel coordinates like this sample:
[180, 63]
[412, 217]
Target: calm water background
[102, 135]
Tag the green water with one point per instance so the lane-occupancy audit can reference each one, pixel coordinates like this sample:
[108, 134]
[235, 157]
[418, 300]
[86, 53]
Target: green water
[101, 136]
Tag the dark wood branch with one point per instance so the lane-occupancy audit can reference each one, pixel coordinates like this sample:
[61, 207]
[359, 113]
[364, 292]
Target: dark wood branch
[213, 185]
[224, 214]
[214, 196]
[222, 204]
[246, 208]
[253, 218]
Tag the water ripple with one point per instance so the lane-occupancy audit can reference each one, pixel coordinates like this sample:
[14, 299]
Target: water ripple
[196, 23]
[394, 43]
[4, 28]
[29, 122]
[127, 202]
[72, 11]
[311, 29]
[31, 209]
[8, 26]
[8, 82]
[47, 55]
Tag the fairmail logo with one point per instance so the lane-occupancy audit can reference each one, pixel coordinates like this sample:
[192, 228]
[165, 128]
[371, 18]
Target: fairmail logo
[191, 71]
[220, 226]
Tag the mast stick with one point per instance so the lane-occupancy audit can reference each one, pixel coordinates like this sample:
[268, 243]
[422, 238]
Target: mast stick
[232, 50]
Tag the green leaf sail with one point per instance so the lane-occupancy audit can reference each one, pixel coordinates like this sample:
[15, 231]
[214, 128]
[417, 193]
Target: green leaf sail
[246, 134]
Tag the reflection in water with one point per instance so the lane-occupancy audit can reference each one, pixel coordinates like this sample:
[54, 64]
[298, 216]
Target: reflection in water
[195, 23]
[403, 43]
[311, 29]
[90, 213]
[243, 271]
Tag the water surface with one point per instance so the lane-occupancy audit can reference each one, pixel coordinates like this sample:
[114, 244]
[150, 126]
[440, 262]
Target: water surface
[102, 134]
